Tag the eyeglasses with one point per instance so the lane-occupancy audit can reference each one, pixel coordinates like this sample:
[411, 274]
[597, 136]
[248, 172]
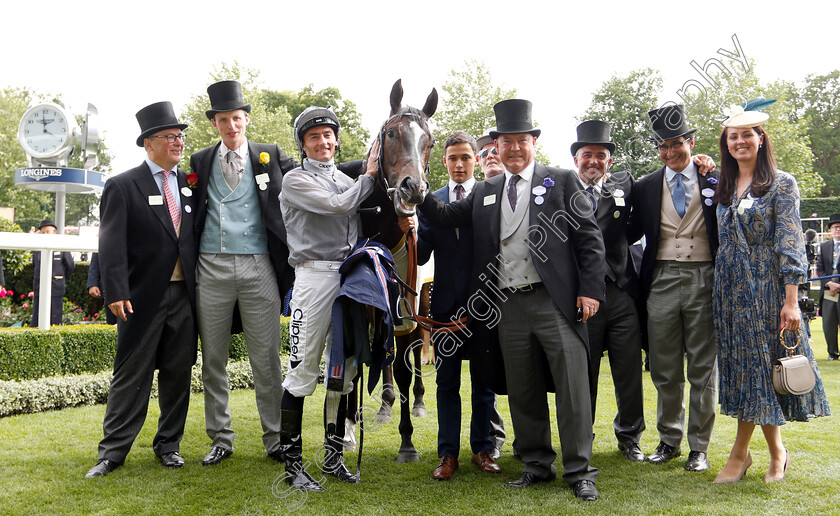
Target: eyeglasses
[170, 138]
[662, 147]
[483, 154]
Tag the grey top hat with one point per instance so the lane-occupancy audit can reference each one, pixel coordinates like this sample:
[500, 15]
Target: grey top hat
[484, 140]
[157, 117]
[513, 116]
[593, 132]
[669, 122]
[225, 96]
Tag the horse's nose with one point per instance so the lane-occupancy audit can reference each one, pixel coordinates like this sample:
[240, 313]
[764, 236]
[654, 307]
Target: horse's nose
[413, 191]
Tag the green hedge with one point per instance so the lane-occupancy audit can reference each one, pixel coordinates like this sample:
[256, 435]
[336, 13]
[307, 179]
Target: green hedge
[824, 206]
[30, 353]
[58, 392]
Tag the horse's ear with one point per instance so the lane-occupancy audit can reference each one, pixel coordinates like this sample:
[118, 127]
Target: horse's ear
[431, 103]
[396, 97]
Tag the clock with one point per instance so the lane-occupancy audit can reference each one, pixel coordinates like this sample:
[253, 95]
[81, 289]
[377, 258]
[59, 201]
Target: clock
[46, 131]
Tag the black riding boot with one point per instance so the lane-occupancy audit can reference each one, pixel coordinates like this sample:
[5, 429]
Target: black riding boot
[334, 444]
[292, 446]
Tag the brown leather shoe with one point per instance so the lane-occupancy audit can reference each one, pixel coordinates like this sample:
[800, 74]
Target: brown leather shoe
[484, 461]
[446, 468]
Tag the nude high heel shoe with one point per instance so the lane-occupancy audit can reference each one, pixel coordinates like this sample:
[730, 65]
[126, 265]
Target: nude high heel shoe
[732, 480]
[768, 479]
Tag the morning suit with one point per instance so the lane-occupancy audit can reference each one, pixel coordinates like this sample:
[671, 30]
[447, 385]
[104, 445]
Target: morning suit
[615, 328]
[63, 266]
[145, 259]
[677, 278]
[243, 261]
[453, 262]
[829, 310]
[556, 236]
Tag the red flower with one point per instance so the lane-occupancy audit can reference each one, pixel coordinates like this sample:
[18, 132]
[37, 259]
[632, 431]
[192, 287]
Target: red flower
[192, 180]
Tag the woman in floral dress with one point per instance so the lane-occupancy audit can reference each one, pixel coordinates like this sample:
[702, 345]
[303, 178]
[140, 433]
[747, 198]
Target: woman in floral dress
[759, 266]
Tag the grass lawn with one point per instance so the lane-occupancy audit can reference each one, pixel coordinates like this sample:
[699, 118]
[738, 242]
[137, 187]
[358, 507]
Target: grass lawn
[44, 458]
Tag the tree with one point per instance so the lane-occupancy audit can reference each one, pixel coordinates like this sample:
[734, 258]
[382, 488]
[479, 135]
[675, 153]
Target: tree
[820, 100]
[354, 137]
[267, 125]
[705, 111]
[465, 105]
[31, 205]
[623, 102]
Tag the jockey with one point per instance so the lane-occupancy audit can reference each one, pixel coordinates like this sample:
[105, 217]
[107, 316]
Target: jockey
[319, 205]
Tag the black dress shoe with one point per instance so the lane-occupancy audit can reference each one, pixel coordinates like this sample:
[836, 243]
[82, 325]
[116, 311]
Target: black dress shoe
[279, 454]
[102, 468]
[585, 490]
[217, 454]
[697, 461]
[663, 454]
[632, 451]
[833, 357]
[172, 460]
[529, 479]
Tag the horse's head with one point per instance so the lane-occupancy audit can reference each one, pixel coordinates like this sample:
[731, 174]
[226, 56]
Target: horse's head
[405, 148]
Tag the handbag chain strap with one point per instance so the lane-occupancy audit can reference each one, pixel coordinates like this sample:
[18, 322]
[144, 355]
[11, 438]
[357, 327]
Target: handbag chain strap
[782, 341]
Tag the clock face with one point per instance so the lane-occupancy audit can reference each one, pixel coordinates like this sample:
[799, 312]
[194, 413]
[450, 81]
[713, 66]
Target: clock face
[44, 131]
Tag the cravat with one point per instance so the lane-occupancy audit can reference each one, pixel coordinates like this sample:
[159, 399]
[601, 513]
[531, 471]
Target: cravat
[512, 191]
[170, 199]
[459, 192]
[593, 197]
[231, 173]
[678, 195]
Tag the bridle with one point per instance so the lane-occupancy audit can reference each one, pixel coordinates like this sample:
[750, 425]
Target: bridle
[382, 177]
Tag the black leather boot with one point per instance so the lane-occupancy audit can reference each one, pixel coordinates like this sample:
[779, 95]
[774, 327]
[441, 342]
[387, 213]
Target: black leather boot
[292, 451]
[334, 445]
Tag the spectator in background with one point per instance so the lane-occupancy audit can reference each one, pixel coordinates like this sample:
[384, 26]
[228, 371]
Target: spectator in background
[827, 266]
[63, 266]
[94, 282]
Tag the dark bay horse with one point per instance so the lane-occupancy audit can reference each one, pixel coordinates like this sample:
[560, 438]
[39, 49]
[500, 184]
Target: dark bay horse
[405, 148]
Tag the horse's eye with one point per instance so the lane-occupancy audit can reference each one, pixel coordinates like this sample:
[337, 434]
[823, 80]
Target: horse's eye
[390, 133]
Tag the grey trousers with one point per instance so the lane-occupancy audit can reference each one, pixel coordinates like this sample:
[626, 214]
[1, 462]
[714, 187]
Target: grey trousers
[224, 279]
[531, 330]
[680, 324]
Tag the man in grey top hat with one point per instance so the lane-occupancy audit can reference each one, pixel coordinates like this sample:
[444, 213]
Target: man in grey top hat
[674, 210]
[537, 275]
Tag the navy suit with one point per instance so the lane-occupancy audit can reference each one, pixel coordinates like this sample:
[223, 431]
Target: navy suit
[453, 266]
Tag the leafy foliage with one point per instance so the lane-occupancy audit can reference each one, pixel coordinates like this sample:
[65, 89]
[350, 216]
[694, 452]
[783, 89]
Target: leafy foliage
[820, 99]
[623, 102]
[354, 137]
[13, 261]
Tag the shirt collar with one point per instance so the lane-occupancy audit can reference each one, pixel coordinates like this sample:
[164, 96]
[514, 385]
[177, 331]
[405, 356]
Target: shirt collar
[526, 173]
[155, 168]
[468, 185]
[242, 151]
[690, 172]
[598, 186]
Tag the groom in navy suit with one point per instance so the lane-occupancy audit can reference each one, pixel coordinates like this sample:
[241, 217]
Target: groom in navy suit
[453, 263]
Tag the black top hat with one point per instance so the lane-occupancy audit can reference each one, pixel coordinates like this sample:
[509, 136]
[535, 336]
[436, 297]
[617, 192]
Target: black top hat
[669, 122]
[157, 117]
[513, 116]
[593, 132]
[226, 96]
[833, 219]
[49, 222]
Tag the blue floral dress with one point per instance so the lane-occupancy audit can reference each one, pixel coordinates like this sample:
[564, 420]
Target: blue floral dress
[761, 250]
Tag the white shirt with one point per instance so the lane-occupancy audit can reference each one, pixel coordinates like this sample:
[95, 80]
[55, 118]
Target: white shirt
[468, 185]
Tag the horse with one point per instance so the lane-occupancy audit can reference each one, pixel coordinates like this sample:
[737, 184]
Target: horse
[405, 148]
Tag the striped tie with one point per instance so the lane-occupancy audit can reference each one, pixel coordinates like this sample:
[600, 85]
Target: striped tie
[170, 199]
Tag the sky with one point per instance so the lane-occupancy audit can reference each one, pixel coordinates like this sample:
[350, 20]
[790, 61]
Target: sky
[122, 56]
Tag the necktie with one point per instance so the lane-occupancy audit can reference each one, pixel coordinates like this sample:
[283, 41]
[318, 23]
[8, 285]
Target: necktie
[231, 173]
[678, 195]
[459, 192]
[593, 197]
[170, 199]
[512, 191]
[836, 253]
